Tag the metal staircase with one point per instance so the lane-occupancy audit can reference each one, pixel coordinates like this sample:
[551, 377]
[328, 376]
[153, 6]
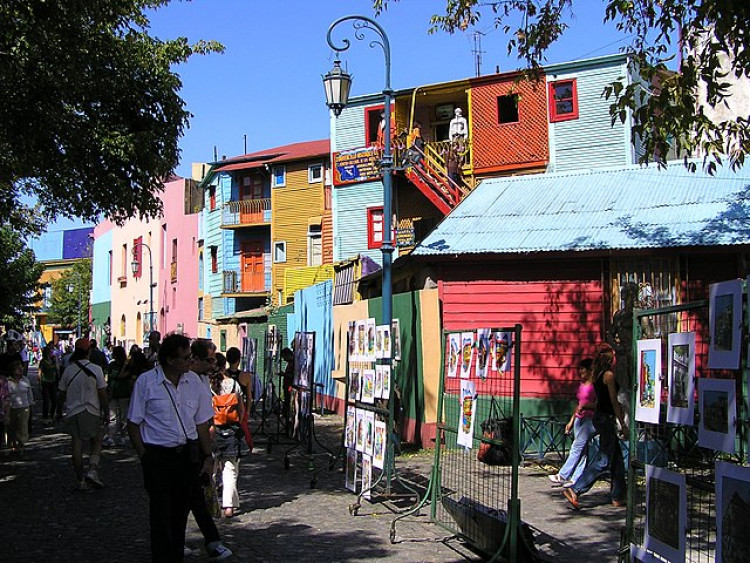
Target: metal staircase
[427, 171]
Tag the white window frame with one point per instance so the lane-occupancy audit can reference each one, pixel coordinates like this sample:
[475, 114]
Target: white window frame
[279, 247]
[312, 177]
[274, 183]
[314, 234]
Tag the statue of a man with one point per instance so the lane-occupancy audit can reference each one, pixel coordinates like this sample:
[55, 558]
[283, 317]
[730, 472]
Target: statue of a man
[458, 129]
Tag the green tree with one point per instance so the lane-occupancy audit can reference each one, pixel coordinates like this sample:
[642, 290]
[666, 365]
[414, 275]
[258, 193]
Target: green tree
[69, 304]
[669, 111]
[90, 112]
[19, 281]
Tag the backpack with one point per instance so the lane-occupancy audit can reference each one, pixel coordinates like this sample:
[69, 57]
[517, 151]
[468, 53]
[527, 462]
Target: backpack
[226, 408]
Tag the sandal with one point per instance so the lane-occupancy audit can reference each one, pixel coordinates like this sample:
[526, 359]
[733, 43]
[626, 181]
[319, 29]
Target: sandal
[572, 498]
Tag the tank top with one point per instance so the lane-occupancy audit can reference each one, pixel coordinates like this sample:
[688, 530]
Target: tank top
[603, 402]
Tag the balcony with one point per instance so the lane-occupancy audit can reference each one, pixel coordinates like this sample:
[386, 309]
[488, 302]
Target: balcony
[248, 212]
[173, 271]
[251, 283]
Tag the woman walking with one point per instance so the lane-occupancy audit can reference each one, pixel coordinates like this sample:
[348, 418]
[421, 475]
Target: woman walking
[120, 382]
[610, 454]
[49, 376]
[21, 399]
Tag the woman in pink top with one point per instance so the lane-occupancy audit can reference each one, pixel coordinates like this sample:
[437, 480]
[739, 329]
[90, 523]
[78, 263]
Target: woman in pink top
[581, 423]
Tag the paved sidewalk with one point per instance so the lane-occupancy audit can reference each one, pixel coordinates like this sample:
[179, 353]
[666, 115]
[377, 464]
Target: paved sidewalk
[43, 518]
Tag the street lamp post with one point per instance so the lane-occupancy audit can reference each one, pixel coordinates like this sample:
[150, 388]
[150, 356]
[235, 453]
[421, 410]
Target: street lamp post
[135, 266]
[337, 84]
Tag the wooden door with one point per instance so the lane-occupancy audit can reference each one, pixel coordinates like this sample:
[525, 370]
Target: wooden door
[251, 194]
[253, 268]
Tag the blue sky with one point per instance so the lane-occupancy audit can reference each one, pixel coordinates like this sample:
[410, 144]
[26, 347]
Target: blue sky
[267, 85]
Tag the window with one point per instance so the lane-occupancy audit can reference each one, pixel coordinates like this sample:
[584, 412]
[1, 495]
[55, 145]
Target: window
[327, 197]
[110, 265]
[124, 262]
[212, 198]
[374, 227]
[314, 246]
[214, 259]
[279, 251]
[223, 341]
[173, 264]
[137, 256]
[200, 308]
[372, 122]
[278, 176]
[314, 173]
[507, 109]
[200, 271]
[563, 100]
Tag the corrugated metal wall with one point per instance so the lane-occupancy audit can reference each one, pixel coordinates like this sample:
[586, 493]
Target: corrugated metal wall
[350, 205]
[349, 129]
[300, 278]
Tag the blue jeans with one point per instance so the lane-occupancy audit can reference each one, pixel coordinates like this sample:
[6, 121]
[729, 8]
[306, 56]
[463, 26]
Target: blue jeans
[610, 457]
[583, 430]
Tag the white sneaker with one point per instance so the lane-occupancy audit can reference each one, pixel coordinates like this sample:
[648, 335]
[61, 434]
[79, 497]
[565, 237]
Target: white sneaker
[217, 551]
[568, 484]
[93, 479]
[556, 479]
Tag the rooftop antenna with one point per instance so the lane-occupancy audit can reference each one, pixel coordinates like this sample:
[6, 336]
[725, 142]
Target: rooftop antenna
[477, 52]
[245, 137]
[216, 154]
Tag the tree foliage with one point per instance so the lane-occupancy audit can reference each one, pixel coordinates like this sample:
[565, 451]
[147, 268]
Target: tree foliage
[669, 108]
[90, 112]
[20, 280]
[69, 304]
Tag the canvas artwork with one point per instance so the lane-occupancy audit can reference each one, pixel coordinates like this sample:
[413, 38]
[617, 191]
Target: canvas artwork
[351, 470]
[732, 512]
[501, 351]
[368, 386]
[681, 378]
[483, 352]
[454, 353]
[466, 414]
[640, 555]
[718, 410]
[725, 324]
[350, 438]
[467, 353]
[354, 380]
[370, 336]
[378, 343]
[251, 355]
[360, 436]
[378, 381]
[387, 342]
[386, 382]
[369, 432]
[666, 513]
[378, 452]
[303, 364]
[648, 396]
[396, 339]
[352, 340]
[366, 476]
[272, 341]
[361, 340]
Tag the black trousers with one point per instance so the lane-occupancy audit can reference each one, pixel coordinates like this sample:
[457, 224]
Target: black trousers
[202, 515]
[169, 478]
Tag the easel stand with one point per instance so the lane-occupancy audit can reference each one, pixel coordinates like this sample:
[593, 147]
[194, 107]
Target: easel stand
[272, 424]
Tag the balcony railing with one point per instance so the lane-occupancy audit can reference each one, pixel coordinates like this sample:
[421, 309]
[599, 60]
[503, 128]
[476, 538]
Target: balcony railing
[246, 212]
[250, 282]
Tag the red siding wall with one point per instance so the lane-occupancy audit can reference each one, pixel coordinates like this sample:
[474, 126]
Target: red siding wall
[509, 145]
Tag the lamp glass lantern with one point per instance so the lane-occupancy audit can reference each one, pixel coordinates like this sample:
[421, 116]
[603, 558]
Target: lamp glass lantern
[135, 266]
[337, 84]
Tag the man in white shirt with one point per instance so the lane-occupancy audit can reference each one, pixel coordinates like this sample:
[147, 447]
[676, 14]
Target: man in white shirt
[84, 392]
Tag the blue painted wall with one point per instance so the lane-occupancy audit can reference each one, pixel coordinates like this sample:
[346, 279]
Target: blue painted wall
[101, 289]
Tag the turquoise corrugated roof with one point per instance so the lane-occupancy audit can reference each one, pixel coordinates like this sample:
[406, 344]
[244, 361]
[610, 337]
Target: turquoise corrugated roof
[623, 208]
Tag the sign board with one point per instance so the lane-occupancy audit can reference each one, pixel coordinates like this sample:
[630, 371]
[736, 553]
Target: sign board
[354, 166]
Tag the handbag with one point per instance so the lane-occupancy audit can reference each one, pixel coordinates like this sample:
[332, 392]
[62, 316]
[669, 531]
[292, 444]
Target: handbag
[496, 443]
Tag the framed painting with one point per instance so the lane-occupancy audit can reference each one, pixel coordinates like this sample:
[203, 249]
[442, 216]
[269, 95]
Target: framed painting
[466, 414]
[648, 395]
[732, 506]
[454, 353]
[718, 409]
[725, 324]
[666, 513]
[351, 427]
[681, 378]
[378, 455]
[395, 339]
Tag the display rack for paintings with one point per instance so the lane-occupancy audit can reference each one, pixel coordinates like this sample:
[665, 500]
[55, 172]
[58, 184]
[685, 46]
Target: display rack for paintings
[473, 490]
[268, 405]
[302, 397]
[688, 490]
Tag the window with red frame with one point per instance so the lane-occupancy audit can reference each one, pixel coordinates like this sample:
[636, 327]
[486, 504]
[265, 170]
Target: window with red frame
[563, 100]
[374, 227]
[372, 122]
[214, 259]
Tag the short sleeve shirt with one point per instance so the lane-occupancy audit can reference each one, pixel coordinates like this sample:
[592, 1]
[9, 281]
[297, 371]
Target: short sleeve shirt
[156, 401]
[81, 389]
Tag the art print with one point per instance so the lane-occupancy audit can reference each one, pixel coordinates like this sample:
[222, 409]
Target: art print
[251, 355]
[467, 353]
[378, 343]
[351, 470]
[732, 508]
[466, 414]
[681, 378]
[387, 342]
[354, 381]
[368, 386]
[396, 339]
[366, 476]
[378, 381]
[386, 382]
[378, 453]
[454, 353]
[648, 395]
[303, 358]
[500, 347]
[483, 352]
[369, 433]
[351, 339]
[382, 342]
[725, 324]
[666, 513]
[350, 438]
[361, 340]
[718, 414]
[273, 339]
[370, 340]
[360, 436]
[640, 555]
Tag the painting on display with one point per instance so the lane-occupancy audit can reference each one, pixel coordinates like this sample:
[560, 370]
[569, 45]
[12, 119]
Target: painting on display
[718, 414]
[483, 352]
[732, 509]
[361, 340]
[360, 436]
[396, 339]
[370, 336]
[351, 427]
[366, 476]
[354, 381]
[351, 470]
[666, 513]
[304, 347]
[640, 555]
[368, 386]
[467, 353]
[386, 382]
[378, 453]
[382, 342]
[648, 396]
[681, 378]
[378, 381]
[725, 324]
[273, 341]
[454, 353]
[500, 348]
[466, 414]
[369, 433]
[352, 340]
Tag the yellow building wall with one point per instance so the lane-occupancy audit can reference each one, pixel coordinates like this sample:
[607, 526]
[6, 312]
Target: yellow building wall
[431, 350]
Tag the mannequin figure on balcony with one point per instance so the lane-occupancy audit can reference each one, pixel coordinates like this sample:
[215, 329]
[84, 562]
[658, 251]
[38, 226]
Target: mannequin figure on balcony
[458, 132]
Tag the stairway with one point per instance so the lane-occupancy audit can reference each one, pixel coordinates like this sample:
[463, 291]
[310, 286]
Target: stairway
[428, 174]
